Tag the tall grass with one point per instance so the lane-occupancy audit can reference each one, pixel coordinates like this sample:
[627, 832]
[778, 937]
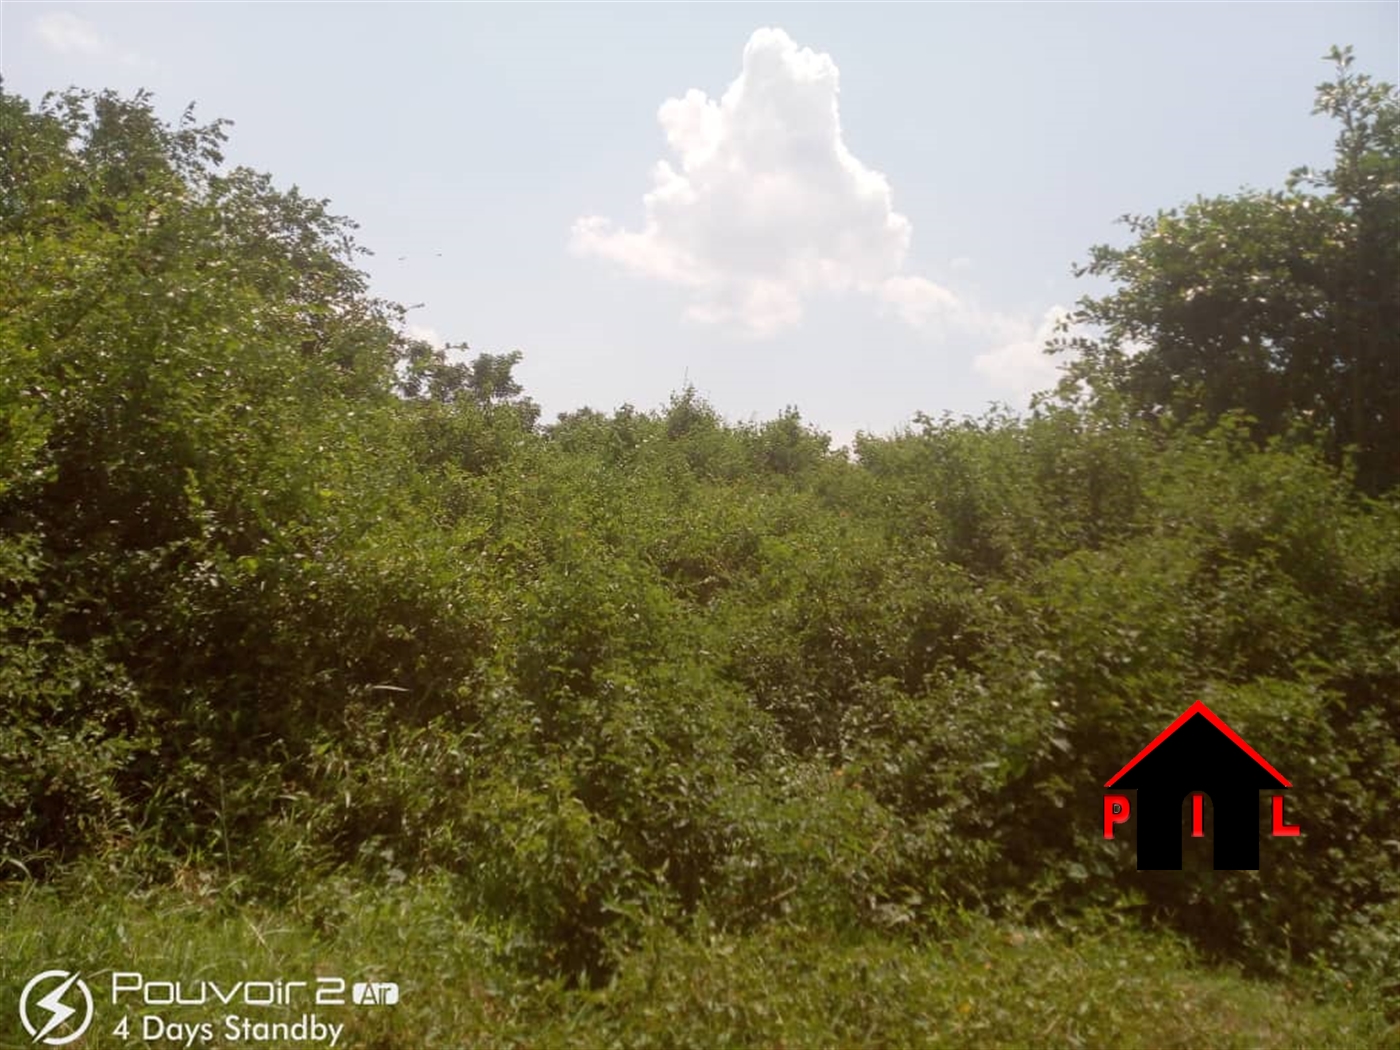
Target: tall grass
[978, 983]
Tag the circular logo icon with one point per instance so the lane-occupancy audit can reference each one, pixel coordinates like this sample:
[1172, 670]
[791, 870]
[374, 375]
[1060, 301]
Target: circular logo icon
[50, 1008]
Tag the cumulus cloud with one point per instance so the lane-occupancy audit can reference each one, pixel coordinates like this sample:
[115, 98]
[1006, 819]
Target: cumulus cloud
[920, 302]
[762, 205]
[1021, 366]
[67, 34]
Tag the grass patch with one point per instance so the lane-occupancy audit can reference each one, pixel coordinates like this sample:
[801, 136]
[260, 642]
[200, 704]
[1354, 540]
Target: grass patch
[980, 983]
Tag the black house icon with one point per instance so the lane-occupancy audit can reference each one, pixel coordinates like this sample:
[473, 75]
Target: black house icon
[1199, 753]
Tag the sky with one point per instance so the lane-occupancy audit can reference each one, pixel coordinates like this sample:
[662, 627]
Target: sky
[863, 210]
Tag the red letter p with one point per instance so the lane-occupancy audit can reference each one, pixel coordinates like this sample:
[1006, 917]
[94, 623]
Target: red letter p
[1115, 811]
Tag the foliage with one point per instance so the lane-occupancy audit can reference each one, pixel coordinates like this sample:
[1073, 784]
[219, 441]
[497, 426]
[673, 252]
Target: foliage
[1283, 304]
[978, 983]
[295, 609]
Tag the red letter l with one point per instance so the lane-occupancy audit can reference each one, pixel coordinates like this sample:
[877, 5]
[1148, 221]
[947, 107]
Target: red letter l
[1280, 828]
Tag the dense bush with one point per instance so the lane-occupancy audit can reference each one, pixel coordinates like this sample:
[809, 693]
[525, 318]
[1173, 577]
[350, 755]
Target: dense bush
[289, 599]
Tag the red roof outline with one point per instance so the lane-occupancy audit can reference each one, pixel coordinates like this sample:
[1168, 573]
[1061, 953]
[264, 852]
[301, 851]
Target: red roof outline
[1200, 708]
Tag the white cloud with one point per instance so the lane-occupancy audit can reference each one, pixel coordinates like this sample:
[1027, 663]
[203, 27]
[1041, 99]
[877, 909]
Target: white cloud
[919, 302]
[425, 334]
[1020, 366]
[763, 205]
[67, 34]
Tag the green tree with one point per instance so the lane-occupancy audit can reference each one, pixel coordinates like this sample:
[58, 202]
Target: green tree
[1283, 304]
[195, 409]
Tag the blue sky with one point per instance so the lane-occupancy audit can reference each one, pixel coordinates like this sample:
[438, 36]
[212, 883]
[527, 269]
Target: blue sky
[864, 210]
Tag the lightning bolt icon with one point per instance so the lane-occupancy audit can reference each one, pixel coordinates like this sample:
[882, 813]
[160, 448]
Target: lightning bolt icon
[53, 1003]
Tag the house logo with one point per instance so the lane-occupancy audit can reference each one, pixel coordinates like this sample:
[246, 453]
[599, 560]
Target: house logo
[1199, 756]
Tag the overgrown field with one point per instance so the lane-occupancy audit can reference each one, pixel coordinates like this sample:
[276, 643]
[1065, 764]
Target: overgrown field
[320, 653]
[974, 983]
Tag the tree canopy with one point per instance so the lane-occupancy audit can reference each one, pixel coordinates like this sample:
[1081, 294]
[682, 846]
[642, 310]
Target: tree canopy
[1282, 304]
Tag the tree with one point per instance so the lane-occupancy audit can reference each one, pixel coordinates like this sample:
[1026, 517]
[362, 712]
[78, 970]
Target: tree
[150, 375]
[160, 321]
[486, 381]
[1283, 304]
